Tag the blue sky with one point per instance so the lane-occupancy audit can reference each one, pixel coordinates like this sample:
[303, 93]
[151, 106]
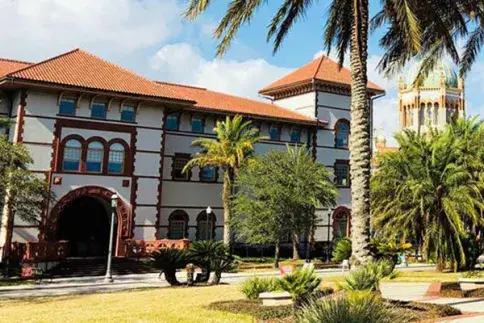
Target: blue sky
[149, 37]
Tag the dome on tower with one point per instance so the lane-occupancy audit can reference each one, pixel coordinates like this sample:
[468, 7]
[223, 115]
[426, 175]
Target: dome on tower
[434, 79]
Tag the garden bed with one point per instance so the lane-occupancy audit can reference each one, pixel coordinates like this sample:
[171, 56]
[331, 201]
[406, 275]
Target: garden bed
[452, 289]
[415, 312]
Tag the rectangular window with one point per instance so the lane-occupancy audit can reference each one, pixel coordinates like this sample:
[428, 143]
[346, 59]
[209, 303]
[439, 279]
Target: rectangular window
[296, 135]
[98, 110]
[275, 132]
[172, 122]
[128, 114]
[72, 157]
[197, 124]
[67, 107]
[342, 174]
[116, 162]
[94, 161]
[178, 164]
[207, 174]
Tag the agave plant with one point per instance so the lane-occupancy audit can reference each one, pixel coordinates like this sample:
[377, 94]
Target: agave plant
[168, 261]
[359, 307]
[301, 284]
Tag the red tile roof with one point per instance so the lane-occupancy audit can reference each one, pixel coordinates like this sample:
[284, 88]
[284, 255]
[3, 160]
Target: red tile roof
[323, 69]
[9, 65]
[216, 101]
[81, 69]
[78, 68]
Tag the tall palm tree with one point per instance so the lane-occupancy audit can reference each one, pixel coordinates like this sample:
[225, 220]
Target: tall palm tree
[230, 151]
[347, 30]
[428, 191]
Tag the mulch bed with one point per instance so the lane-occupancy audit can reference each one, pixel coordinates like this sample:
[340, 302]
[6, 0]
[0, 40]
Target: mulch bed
[452, 289]
[416, 312]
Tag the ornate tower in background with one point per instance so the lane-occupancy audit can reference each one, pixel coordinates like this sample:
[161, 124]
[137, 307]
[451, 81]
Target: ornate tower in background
[435, 102]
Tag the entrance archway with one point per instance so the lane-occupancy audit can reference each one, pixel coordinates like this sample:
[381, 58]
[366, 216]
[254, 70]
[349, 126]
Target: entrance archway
[85, 224]
[50, 229]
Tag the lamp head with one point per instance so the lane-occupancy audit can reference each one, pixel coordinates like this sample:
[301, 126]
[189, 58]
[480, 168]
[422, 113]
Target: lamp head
[209, 210]
[114, 200]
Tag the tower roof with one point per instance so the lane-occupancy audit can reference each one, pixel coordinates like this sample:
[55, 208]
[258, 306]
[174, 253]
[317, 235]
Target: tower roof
[322, 69]
[434, 79]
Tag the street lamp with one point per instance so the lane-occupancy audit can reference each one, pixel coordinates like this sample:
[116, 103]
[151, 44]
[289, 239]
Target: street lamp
[109, 277]
[209, 210]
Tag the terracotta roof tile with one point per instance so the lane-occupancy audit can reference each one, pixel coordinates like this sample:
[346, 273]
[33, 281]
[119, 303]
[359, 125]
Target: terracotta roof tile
[81, 69]
[9, 65]
[211, 100]
[323, 69]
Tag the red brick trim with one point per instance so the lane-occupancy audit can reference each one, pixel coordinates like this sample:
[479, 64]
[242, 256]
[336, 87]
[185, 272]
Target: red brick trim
[433, 291]
[49, 228]
[21, 117]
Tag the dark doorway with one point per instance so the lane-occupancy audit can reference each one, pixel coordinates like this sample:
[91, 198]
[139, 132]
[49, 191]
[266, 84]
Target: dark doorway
[85, 224]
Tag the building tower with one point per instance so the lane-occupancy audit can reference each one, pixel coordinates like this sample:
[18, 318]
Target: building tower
[434, 102]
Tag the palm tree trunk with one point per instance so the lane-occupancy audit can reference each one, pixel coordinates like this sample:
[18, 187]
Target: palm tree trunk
[360, 141]
[226, 193]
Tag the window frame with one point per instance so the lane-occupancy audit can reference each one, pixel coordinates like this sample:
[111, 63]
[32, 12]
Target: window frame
[214, 179]
[123, 165]
[102, 143]
[176, 157]
[279, 135]
[80, 140]
[128, 106]
[74, 100]
[338, 214]
[171, 220]
[98, 103]
[337, 131]
[293, 129]
[202, 123]
[213, 225]
[178, 119]
[340, 162]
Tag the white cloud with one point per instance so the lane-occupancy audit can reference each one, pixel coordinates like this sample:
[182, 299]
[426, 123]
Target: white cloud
[183, 63]
[34, 29]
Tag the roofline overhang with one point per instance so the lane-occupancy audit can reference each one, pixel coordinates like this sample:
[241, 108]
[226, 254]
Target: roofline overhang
[9, 80]
[316, 123]
[313, 81]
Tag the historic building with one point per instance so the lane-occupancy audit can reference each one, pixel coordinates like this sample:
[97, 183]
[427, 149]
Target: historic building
[434, 102]
[95, 129]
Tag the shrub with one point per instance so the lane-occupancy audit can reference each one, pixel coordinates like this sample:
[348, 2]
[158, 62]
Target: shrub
[202, 253]
[353, 309]
[168, 261]
[254, 286]
[222, 263]
[368, 277]
[342, 250]
[301, 284]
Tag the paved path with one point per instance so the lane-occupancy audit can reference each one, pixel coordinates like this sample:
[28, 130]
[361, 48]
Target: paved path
[89, 285]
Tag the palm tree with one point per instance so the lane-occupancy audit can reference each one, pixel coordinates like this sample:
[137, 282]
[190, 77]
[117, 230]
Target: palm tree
[230, 151]
[429, 191]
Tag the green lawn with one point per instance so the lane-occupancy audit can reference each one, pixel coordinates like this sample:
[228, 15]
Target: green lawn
[167, 305]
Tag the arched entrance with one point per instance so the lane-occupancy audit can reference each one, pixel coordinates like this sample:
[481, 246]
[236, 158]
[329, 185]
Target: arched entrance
[85, 223]
[89, 208]
[341, 223]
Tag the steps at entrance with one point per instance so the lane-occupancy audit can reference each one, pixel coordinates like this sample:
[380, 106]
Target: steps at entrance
[80, 267]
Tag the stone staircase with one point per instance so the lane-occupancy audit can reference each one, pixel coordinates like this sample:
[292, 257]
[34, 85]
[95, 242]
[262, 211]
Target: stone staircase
[81, 267]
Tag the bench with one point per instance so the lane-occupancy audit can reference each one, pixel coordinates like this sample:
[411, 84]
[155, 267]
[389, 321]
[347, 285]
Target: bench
[275, 299]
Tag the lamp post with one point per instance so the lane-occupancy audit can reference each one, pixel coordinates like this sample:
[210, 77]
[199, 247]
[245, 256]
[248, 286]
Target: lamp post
[209, 210]
[109, 277]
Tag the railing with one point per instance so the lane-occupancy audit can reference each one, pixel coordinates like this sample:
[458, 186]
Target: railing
[40, 251]
[144, 248]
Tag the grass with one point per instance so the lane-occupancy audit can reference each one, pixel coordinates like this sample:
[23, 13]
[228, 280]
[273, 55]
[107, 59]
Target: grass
[15, 282]
[168, 305]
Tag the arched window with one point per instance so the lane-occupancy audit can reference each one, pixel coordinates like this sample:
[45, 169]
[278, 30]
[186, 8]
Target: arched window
[342, 133]
[421, 115]
[172, 121]
[405, 116]
[72, 155]
[178, 225]
[436, 114]
[116, 158]
[296, 134]
[341, 223]
[429, 113]
[275, 132]
[95, 155]
[197, 124]
[205, 226]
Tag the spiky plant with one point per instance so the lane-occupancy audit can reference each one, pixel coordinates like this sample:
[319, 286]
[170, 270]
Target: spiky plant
[203, 253]
[168, 261]
[342, 250]
[301, 284]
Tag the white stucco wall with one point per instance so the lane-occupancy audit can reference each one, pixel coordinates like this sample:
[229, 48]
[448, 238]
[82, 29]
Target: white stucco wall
[303, 103]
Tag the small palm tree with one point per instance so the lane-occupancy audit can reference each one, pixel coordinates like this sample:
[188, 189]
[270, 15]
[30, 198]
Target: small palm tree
[431, 191]
[230, 151]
